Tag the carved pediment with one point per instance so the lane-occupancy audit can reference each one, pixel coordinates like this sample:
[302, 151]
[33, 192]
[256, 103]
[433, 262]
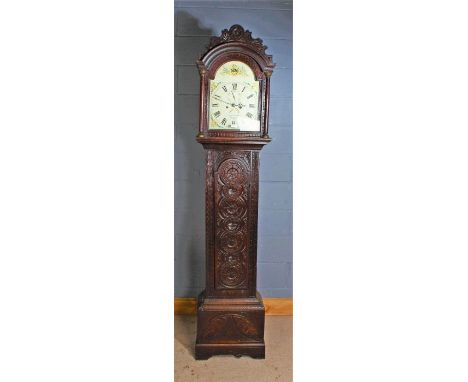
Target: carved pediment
[238, 34]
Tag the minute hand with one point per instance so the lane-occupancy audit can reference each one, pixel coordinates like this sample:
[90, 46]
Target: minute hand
[219, 99]
[233, 96]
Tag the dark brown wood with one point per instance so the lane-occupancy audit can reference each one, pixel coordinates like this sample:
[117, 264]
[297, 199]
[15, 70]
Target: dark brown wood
[230, 311]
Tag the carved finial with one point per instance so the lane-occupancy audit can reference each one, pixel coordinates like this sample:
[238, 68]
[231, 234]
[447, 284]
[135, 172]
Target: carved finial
[238, 34]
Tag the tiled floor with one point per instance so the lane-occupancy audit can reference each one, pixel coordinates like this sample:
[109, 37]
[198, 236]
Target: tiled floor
[276, 367]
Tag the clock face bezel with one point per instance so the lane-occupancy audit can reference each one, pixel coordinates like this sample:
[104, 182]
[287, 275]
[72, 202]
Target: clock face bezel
[205, 99]
[215, 84]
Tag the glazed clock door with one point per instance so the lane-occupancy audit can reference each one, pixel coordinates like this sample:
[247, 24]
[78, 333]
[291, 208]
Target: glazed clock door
[234, 98]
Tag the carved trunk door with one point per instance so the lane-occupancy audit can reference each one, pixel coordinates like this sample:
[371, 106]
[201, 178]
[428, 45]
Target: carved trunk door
[232, 211]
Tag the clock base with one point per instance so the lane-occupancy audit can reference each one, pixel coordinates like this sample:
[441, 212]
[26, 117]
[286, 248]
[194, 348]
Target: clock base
[230, 326]
[254, 350]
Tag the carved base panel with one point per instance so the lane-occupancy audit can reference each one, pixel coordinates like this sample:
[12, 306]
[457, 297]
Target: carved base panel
[205, 351]
[233, 326]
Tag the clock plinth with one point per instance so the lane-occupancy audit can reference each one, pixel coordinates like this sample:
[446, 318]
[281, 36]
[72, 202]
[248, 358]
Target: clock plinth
[234, 104]
[232, 326]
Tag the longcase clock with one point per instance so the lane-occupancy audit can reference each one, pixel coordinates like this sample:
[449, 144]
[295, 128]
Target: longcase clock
[234, 102]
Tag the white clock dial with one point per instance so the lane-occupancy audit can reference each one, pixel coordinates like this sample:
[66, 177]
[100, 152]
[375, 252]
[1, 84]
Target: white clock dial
[234, 98]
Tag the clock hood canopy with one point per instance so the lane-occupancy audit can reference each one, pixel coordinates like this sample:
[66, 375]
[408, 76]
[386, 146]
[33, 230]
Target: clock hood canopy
[233, 40]
[235, 44]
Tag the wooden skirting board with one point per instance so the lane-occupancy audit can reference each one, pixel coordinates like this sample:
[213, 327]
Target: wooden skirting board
[273, 306]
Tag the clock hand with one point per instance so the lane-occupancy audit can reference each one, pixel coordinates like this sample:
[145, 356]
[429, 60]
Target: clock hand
[230, 104]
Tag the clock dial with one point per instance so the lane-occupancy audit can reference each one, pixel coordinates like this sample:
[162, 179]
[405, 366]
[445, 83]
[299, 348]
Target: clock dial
[234, 98]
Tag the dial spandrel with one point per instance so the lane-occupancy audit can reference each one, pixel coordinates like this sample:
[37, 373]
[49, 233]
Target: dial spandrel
[234, 96]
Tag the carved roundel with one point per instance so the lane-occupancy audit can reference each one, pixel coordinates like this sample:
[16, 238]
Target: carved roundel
[232, 242]
[232, 224]
[232, 208]
[232, 274]
[233, 191]
[230, 258]
[231, 172]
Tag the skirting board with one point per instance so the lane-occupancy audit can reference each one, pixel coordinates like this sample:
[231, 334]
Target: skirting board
[273, 306]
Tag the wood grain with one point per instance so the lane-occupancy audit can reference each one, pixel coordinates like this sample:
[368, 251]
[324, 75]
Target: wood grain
[273, 306]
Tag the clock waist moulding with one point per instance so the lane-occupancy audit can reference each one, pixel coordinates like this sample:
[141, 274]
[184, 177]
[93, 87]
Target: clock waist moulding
[233, 127]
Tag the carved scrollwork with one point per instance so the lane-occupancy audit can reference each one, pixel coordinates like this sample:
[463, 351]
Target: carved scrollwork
[231, 215]
[232, 224]
[232, 274]
[229, 208]
[232, 173]
[231, 325]
[232, 242]
[237, 33]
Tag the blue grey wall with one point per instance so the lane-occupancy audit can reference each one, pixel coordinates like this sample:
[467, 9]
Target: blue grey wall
[195, 22]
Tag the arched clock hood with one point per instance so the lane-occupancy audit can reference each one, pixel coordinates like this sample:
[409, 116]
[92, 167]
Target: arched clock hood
[235, 43]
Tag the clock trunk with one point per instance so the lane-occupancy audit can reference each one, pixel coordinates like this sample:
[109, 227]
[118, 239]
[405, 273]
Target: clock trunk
[231, 314]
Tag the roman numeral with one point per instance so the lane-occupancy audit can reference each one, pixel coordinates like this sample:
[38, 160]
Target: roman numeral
[251, 105]
[234, 86]
[249, 115]
[243, 89]
[225, 88]
[250, 96]
[217, 114]
[223, 122]
[214, 104]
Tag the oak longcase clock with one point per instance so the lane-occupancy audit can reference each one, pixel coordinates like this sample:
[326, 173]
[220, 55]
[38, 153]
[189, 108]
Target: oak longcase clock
[234, 103]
